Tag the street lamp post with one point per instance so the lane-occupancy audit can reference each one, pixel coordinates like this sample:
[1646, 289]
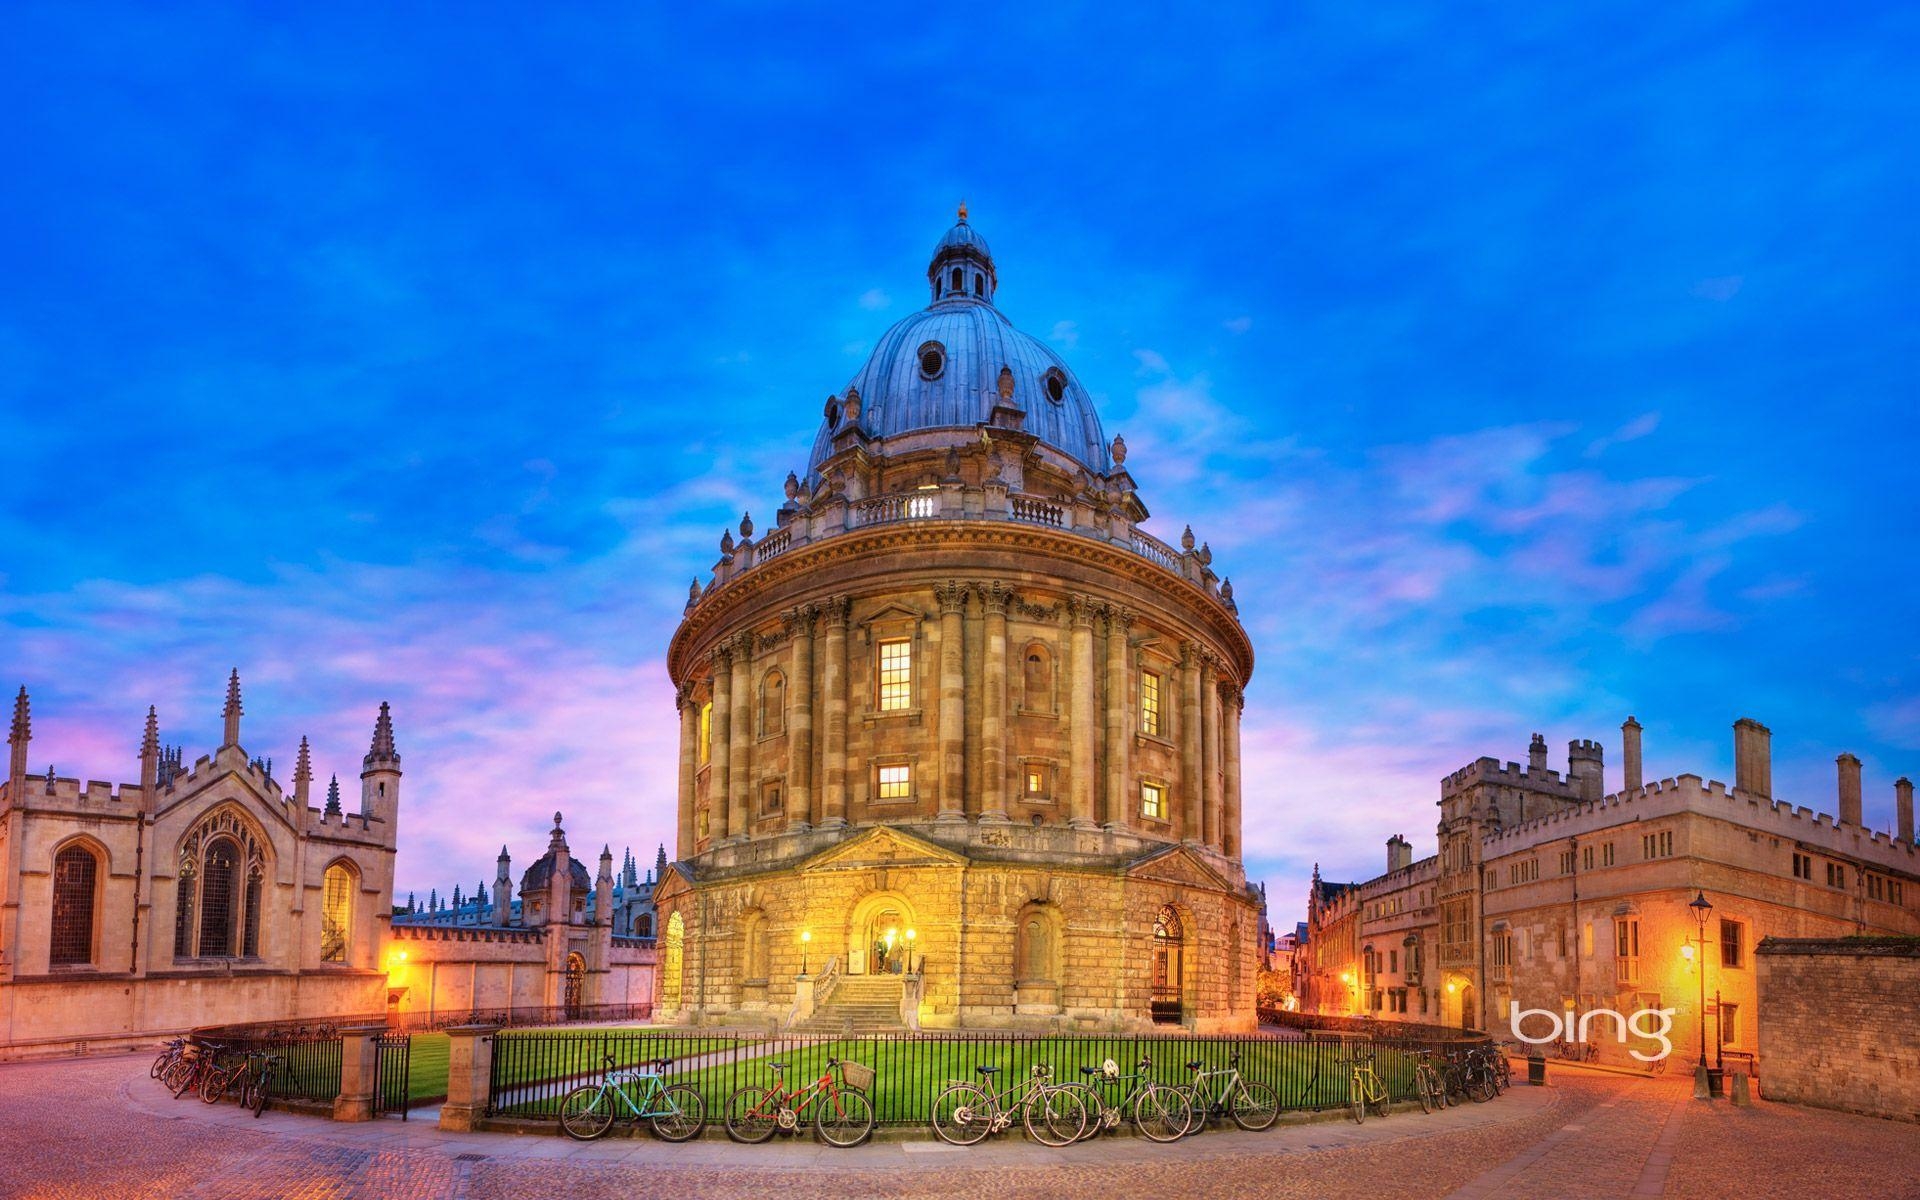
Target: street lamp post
[911, 935]
[1701, 909]
[806, 936]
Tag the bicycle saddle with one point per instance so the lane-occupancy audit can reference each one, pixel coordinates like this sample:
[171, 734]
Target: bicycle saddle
[778, 1066]
[988, 1070]
[1195, 1066]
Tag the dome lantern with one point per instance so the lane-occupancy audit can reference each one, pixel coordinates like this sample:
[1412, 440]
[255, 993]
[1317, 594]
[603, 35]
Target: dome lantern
[962, 268]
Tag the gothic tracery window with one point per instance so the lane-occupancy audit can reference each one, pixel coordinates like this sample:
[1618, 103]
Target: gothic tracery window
[219, 892]
[336, 913]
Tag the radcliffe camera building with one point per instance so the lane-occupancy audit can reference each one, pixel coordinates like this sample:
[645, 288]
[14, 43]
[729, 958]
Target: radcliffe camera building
[1547, 893]
[960, 742]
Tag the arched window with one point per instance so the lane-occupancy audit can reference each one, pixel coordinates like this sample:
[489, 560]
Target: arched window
[643, 925]
[576, 981]
[219, 889]
[672, 963]
[336, 913]
[1037, 679]
[706, 731]
[773, 704]
[1169, 961]
[220, 897]
[979, 284]
[76, 874]
[753, 947]
[959, 280]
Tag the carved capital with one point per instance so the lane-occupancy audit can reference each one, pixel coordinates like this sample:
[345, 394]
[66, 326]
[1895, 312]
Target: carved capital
[1081, 610]
[837, 609]
[1119, 620]
[952, 596]
[1189, 654]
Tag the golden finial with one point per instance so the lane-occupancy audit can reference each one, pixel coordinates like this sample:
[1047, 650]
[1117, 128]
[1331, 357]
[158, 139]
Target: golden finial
[963, 210]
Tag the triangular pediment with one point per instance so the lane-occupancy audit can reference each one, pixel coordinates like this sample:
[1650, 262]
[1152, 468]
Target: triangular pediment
[1178, 864]
[673, 882]
[883, 846]
[892, 612]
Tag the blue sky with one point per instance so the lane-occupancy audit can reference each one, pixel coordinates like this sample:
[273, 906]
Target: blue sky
[1524, 368]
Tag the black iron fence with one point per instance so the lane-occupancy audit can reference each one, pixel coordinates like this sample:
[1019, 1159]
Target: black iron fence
[392, 1075]
[532, 1070]
[520, 1016]
[309, 1056]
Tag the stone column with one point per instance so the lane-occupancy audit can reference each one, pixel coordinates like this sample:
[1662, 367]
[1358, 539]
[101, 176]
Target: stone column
[1119, 744]
[359, 1069]
[802, 811]
[1081, 716]
[689, 767]
[1210, 747]
[719, 738]
[1193, 825]
[740, 740]
[953, 702]
[834, 685]
[1234, 704]
[993, 710]
[469, 1076]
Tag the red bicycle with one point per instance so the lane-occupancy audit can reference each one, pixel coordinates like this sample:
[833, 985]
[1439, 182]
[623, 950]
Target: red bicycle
[843, 1116]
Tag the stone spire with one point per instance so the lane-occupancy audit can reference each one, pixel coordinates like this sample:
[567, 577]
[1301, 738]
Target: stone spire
[303, 774]
[232, 713]
[333, 799]
[18, 736]
[603, 889]
[660, 864]
[503, 890]
[150, 756]
[557, 841]
[381, 752]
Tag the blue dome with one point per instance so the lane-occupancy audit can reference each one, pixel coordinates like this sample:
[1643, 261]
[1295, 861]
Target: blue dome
[940, 368]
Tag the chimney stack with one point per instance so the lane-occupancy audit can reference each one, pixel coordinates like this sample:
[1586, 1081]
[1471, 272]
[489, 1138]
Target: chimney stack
[1849, 789]
[1753, 758]
[1537, 755]
[1399, 854]
[1903, 808]
[1630, 756]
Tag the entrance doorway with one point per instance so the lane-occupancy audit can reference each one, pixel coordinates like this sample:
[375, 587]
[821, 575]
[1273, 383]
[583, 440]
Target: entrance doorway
[881, 937]
[576, 980]
[1169, 961]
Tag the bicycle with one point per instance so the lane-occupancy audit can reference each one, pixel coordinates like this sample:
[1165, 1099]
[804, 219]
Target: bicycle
[1428, 1087]
[169, 1053]
[1502, 1068]
[1253, 1106]
[184, 1075]
[1579, 1052]
[755, 1114]
[1159, 1113]
[963, 1112]
[1468, 1074]
[253, 1074]
[1364, 1089]
[675, 1111]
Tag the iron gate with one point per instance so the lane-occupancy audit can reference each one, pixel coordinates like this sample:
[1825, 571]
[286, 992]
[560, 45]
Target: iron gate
[391, 1071]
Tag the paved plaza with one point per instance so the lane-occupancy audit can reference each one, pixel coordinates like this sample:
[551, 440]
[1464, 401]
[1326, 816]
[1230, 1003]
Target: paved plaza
[99, 1129]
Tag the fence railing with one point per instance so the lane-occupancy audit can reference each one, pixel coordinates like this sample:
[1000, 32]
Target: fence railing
[532, 1070]
[309, 1067]
[1385, 1032]
[520, 1016]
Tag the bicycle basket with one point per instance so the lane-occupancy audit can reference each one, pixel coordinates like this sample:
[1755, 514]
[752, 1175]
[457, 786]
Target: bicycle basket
[857, 1075]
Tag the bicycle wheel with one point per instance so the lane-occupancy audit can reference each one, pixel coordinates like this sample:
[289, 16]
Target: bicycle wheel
[685, 1117]
[1254, 1106]
[1096, 1110]
[1054, 1116]
[962, 1114]
[753, 1113]
[160, 1065]
[259, 1091]
[1480, 1086]
[185, 1076]
[845, 1119]
[213, 1085]
[1423, 1089]
[1161, 1113]
[1357, 1100]
[586, 1112]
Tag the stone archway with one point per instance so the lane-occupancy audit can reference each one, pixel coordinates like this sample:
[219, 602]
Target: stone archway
[881, 934]
[673, 948]
[573, 998]
[1167, 1002]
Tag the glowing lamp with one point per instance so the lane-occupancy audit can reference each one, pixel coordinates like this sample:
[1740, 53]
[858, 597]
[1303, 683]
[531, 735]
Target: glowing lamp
[1686, 952]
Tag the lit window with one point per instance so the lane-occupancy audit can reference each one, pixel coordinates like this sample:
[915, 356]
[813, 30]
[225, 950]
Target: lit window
[1036, 781]
[896, 783]
[1153, 801]
[336, 913]
[896, 675]
[706, 731]
[1150, 703]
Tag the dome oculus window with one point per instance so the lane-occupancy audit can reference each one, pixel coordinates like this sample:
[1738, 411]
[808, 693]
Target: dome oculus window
[1056, 386]
[933, 360]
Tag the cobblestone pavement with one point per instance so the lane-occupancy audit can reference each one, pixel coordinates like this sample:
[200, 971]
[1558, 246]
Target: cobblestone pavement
[100, 1130]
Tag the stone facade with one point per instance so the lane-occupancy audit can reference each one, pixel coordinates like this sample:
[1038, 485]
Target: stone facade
[957, 696]
[555, 947]
[195, 895]
[1840, 1023]
[1549, 895]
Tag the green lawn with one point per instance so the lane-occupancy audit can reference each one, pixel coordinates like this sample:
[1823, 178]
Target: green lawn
[427, 1067]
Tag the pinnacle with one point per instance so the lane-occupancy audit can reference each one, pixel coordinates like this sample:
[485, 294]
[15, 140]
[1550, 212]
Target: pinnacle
[22, 722]
[333, 797]
[382, 749]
